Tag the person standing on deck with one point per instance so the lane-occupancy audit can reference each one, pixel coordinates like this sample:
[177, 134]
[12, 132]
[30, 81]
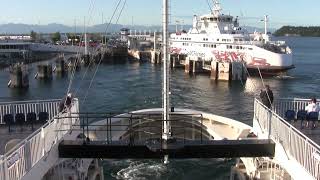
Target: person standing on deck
[312, 107]
[65, 103]
[267, 96]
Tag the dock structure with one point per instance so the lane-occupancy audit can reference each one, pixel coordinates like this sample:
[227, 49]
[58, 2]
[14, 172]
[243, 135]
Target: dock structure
[44, 71]
[18, 76]
[193, 65]
[228, 71]
[60, 67]
[145, 47]
[74, 63]
[156, 57]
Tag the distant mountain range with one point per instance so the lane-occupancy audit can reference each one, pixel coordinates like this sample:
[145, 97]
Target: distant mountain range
[12, 28]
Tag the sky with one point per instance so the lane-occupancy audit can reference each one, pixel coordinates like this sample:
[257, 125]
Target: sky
[148, 12]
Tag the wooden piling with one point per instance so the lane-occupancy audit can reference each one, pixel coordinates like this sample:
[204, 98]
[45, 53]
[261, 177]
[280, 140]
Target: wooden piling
[227, 71]
[60, 66]
[18, 76]
[214, 70]
[44, 71]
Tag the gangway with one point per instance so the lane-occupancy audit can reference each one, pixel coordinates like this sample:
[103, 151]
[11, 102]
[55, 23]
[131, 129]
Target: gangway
[140, 136]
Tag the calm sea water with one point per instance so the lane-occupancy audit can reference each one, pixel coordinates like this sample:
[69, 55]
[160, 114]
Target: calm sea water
[132, 86]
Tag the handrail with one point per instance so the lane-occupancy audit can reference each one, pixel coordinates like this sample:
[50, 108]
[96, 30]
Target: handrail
[49, 106]
[297, 145]
[30, 151]
[135, 122]
[29, 101]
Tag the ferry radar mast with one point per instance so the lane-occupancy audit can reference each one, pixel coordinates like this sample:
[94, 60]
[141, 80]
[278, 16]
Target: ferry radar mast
[216, 8]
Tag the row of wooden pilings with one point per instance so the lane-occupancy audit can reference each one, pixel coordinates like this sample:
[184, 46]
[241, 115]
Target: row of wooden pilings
[219, 70]
[19, 76]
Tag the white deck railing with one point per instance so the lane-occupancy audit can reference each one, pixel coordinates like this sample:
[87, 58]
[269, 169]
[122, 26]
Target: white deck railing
[49, 106]
[20, 160]
[297, 146]
[296, 104]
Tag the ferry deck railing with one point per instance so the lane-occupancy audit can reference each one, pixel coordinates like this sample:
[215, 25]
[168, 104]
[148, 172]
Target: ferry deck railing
[48, 106]
[133, 123]
[23, 157]
[297, 146]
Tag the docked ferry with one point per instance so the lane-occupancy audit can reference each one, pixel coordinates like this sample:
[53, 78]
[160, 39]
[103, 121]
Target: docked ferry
[217, 36]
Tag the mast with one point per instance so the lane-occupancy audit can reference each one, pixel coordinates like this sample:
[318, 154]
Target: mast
[216, 8]
[166, 58]
[85, 38]
[265, 24]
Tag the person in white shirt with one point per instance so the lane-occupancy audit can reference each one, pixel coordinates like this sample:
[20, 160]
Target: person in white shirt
[312, 107]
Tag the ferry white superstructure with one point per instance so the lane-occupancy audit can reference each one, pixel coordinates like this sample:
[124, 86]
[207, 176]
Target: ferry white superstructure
[217, 36]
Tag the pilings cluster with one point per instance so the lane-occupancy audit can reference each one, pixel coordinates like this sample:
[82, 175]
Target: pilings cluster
[18, 76]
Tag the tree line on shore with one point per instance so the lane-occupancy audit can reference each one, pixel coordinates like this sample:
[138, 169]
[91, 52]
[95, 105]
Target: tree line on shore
[312, 31]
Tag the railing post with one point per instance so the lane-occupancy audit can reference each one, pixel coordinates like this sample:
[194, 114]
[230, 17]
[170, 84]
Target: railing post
[84, 138]
[269, 123]
[43, 141]
[5, 168]
[201, 127]
[305, 150]
[28, 155]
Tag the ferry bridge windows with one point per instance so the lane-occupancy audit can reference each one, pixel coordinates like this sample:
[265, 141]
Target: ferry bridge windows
[205, 39]
[186, 39]
[210, 45]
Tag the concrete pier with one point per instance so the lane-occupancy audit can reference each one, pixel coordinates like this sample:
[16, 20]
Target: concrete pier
[228, 71]
[74, 63]
[155, 57]
[18, 76]
[60, 66]
[193, 66]
[187, 65]
[86, 59]
[174, 61]
[44, 71]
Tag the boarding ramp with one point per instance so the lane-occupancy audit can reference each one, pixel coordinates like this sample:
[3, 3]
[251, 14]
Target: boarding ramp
[301, 155]
[139, 136]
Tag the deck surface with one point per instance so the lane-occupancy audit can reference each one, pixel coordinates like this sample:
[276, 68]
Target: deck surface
[16, 133]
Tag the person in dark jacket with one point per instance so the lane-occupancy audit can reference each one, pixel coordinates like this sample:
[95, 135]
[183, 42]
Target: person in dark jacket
[65, 103]
[267, 96]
